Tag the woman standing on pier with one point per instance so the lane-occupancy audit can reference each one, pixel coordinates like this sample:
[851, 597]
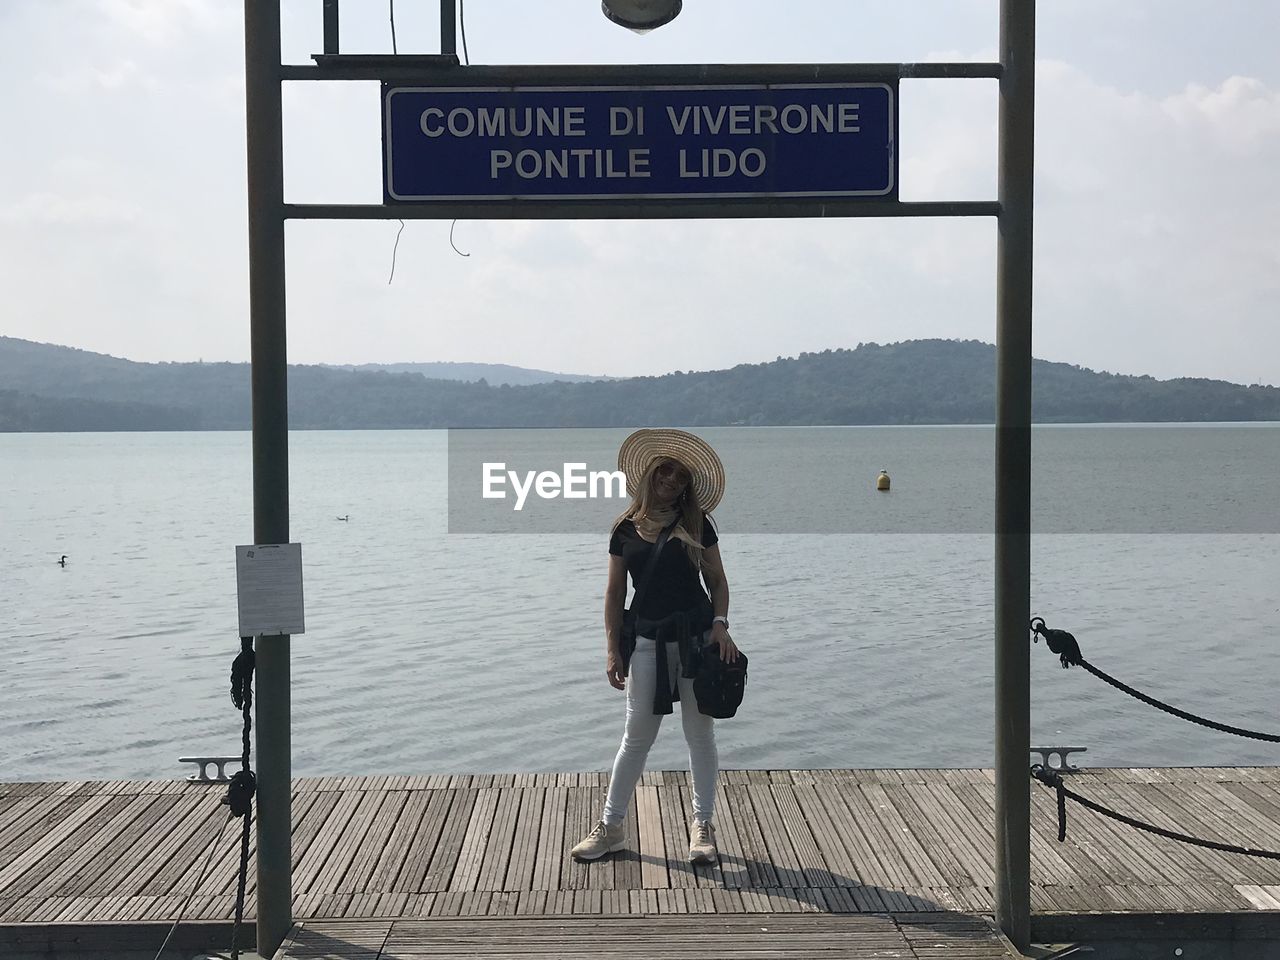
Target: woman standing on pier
[675, 480]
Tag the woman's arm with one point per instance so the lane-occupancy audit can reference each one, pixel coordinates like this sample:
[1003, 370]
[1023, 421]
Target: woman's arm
[718, 584]
[615, 598]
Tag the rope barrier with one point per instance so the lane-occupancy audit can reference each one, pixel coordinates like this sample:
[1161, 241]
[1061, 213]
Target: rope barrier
[243, 784]
[1053, 779]
[1068, 650]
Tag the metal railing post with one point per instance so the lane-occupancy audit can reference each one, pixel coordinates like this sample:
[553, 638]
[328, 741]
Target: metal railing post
[448, 26]
[1013, 471]
[331, 27]
[270, 452]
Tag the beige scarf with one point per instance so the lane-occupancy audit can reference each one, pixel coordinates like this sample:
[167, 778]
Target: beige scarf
[651, 525]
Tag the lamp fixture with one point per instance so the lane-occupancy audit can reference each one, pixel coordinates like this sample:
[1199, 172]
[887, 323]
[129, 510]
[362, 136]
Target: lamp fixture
[641, 16]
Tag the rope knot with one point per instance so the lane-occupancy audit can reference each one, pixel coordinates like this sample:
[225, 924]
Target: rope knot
[1059, 642]
[240, 793]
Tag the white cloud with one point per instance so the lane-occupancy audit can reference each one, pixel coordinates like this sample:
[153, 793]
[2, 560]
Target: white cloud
[161, 21]
[51, 209]
[1156, 250]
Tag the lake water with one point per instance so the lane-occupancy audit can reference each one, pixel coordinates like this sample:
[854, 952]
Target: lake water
[430, 651]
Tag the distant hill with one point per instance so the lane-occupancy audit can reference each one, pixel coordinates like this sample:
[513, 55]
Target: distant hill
[495, 374]
[47, 388]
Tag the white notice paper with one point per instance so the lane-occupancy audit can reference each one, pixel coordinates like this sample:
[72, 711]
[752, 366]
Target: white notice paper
[269, 588]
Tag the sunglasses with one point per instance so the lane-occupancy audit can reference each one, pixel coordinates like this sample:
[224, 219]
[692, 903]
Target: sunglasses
[675, 471]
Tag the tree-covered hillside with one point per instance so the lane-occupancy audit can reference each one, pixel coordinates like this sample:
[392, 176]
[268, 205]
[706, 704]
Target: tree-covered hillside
[46, 387]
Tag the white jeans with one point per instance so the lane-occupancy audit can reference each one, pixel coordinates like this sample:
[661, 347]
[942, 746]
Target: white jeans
[642, 729]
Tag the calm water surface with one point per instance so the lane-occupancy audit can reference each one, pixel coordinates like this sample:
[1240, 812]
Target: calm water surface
[427, 651]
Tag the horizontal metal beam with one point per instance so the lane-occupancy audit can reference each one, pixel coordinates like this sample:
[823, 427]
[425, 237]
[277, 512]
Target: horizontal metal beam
[443, 70]
[627, 209]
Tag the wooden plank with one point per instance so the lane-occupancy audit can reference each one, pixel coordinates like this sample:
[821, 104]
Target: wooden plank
[782, 852]
[77, 851]
[453, 832]
[99, 854]
[755, 853]
[492, 874]
[187, 842]
[970, 823]
[841, 869]
[675, 837]
[38, 817]
[897, 872]
[151, 851]
[553, 846]
[626, 863]
[579, 818]
[652, 846]
[374, 845]
[905, 842]
[310, 865]
[733, 867]
[600, 873]
[471, 855]
[861, 849]
[524, 845]
[13, 810]
[426, 834]
[813, 865]
[346, 847]
[400, 843]
[706, 875]
[924, 828]
[314, 810]
[29, 868]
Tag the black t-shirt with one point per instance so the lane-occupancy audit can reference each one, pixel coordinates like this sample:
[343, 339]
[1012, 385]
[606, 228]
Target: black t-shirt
[675, 585]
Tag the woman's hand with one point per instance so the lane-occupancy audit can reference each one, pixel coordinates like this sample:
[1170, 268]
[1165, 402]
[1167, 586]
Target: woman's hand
[614, 670]
[720, 637]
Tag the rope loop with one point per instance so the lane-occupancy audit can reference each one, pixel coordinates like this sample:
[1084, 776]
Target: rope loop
[1053, 778]
[242, 675]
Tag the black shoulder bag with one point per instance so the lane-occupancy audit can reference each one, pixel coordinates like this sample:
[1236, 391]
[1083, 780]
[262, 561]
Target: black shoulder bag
[631, 615]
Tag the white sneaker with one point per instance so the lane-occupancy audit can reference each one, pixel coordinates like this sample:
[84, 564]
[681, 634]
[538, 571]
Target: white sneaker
[702, 842]
[603, 839]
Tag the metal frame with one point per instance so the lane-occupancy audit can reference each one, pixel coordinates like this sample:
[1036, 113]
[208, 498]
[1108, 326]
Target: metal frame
[264, 76]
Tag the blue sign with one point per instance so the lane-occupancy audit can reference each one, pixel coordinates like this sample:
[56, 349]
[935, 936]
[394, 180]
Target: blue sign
[815, 140]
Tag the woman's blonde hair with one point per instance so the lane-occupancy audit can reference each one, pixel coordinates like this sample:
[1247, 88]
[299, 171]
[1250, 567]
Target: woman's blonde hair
[691, 515]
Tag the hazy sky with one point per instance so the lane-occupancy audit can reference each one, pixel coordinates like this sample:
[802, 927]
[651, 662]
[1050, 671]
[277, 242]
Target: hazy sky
[122, 197]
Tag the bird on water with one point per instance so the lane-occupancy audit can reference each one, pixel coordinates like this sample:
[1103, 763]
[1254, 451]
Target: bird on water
[347, 517]
[63, 561]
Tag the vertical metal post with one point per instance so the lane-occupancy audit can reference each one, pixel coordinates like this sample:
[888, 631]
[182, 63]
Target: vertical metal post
[448, 26]
[270, 452]
[1013, 471]
[331, 27]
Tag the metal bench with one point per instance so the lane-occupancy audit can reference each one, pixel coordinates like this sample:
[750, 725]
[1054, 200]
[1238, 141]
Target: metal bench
[1063, 765]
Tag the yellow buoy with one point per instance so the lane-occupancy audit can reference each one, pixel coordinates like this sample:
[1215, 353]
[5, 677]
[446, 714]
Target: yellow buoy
[882, 481]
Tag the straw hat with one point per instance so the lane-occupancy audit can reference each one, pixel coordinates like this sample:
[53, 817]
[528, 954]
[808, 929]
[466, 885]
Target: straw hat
[644, 446]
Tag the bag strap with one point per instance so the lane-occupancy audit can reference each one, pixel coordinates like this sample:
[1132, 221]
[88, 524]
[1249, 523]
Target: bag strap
[643, 583]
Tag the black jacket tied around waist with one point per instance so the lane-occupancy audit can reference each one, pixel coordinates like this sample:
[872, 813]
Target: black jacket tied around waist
[685, 629]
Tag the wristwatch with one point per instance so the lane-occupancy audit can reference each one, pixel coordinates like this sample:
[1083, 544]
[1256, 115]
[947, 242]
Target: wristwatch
[724, 620]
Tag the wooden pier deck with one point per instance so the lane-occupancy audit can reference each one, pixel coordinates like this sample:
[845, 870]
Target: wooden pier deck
[906, 843]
